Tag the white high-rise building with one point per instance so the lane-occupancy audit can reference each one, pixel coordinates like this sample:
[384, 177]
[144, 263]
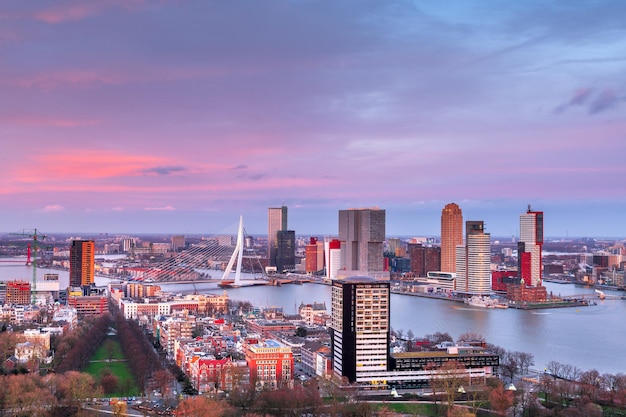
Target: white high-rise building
[529, 247]
[473, 261]
[332, 250]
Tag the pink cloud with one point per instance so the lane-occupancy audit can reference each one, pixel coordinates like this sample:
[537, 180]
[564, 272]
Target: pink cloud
[90, 164]
[49, 81]
[53, 208]
[81, 10]
[166, 208]
[65, 14]
[93, 77]
[48, 121]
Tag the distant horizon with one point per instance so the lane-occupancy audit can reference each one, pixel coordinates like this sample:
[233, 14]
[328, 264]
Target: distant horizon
[501, 219]
[501, 238]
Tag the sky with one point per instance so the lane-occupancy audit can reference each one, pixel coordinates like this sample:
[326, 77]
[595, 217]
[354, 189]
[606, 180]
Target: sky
[131, 116]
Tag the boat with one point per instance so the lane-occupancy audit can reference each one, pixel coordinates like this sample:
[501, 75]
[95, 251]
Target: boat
[480, 301]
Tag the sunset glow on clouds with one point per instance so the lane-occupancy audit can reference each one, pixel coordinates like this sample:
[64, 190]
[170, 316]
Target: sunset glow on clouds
[178, 116]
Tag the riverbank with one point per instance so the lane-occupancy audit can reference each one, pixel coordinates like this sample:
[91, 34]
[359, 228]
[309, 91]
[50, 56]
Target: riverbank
[553, 304]
[524, 306]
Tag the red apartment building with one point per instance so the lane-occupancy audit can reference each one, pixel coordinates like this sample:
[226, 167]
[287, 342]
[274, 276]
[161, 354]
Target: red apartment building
[311, 255]
[18, 292]
[88, 305]
[271, 364]
[265, 328]
[525, 294]
[424, 259]
[209, 374]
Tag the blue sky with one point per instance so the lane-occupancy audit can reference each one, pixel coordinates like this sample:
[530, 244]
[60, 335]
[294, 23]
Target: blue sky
[178, 116]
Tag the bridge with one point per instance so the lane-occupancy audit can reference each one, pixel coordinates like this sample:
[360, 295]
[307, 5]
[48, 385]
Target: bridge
[213, 259]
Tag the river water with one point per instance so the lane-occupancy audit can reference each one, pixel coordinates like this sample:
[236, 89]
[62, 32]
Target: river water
[591, 337]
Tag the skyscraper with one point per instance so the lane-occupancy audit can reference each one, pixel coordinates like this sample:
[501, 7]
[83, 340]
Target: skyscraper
[424, 259]
[82, 263]
[360, 329]
[178, 243]
[473, 260]
[277, 220]
[362, 233]
[529, 247]
[285, 250]
[332, 250]
[451, 235]
[314, 255]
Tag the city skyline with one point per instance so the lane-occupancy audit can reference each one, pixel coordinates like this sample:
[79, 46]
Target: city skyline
[190, 114]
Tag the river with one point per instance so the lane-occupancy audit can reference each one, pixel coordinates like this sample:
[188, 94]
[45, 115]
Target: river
[590, 337]
[587, 337]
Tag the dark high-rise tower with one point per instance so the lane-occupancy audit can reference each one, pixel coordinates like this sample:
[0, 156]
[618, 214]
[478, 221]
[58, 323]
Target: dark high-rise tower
[277, 221]
[285, 250]
[82, 263]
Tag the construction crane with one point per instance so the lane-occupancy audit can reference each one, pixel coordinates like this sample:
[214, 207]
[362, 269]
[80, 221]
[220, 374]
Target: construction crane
[35, 235]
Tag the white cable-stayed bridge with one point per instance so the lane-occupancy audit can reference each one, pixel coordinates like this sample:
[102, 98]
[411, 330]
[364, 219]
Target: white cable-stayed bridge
[216, 258]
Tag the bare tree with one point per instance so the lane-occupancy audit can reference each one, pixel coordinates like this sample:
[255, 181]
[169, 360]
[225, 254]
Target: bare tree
[162, 379]
[589, 384]
[525, 360]
[200, 406]
[509, 365]
[582, 408]
[495, 349]
[526, 403]
[447, 379]
[470, 337]
[439, 337]
[26, 396]
[555, 369]
[500, 398]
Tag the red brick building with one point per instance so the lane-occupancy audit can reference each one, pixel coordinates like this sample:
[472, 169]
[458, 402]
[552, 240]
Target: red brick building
[501, 279]
[271, 364]
[18, 292]
[208, 374]
[524, 294]
[424, 259]
[266, 327]
[311, 256]
[88, 305]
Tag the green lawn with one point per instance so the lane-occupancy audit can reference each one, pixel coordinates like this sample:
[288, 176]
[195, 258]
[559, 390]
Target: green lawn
[110, 349]
[410, 408]
[117, 366]
[420, 409]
